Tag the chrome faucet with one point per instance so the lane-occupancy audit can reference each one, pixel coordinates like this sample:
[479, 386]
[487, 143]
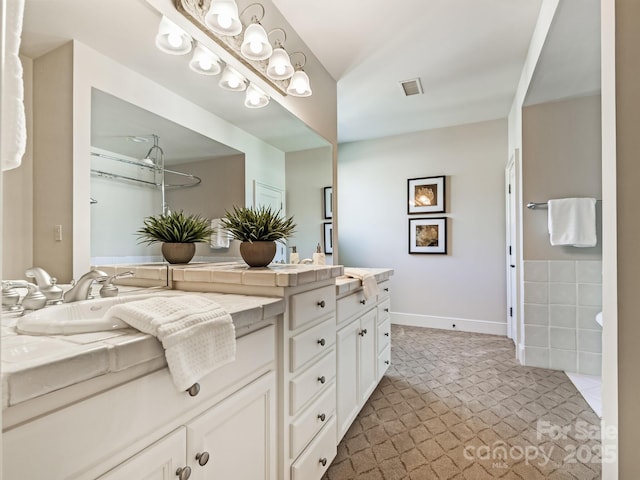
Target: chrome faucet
[46, 284]
[82, 287]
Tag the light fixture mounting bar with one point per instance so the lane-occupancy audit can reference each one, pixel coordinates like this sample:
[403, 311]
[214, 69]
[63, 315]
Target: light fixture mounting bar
[195, 11]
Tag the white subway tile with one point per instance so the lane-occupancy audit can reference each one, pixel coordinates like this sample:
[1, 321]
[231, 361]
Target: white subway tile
[536, 357]
[589, 295]
[562, 293]
[536, 293]
[589, 271]
[562, 271]
[566, 360]
[536, 271]
[562, 338]
[536, 314]
[590, 363]
[587, 318]
[590, 341]
[562, 316]
[536, 336]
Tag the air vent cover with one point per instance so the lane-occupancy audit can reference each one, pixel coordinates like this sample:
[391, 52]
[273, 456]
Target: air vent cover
[411, 87]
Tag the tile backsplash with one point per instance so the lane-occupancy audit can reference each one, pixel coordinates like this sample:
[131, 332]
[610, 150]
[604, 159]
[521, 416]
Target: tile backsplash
[561, 300]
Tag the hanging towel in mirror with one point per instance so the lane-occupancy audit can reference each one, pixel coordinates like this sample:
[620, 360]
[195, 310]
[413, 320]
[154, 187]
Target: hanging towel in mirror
[572, 221]
[220, 236]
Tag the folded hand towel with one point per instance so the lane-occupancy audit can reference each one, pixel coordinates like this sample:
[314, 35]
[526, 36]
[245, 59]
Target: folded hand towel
[197, 334]
[572, 221]
[220, 237]
[12, 121]
[368, 279]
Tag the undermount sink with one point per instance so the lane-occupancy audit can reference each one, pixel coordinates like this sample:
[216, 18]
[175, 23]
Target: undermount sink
[78, 317]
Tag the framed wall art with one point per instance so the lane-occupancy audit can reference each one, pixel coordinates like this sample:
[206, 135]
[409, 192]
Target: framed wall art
[428, 235]
[327, 234]
[425, 195]
[328, 202]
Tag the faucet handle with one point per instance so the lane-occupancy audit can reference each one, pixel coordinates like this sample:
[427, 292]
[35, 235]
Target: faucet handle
[108, 288]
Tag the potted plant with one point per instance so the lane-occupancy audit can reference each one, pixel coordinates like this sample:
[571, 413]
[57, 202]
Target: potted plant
[258, 228]
[178, 234]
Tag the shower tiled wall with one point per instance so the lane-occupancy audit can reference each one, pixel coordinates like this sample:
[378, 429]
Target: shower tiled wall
[561, 300]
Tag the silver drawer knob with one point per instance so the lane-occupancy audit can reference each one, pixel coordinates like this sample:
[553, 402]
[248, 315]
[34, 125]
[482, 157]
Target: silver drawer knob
[202, 458]
[194, 389]
[322, 379]
[321, 304]
[322, 417]
[321, 342]
[323, 461]
[183, 473]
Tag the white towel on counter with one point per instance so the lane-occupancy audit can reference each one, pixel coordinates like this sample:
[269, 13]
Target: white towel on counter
[220, 237]
[572, 221]
[368, 279]
[197, 334]
[12, 121]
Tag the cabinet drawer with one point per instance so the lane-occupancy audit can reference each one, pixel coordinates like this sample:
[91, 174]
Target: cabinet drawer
[384, 335]
[315, 460]
[353, 305]
[384, 360]
[384, 309]
[384, 290]
[312, 343]
[312, 381]
[309, 306]
[305, 427]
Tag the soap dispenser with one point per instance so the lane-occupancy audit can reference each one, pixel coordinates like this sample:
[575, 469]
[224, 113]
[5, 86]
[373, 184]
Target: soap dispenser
[318, 257]
[294, 258]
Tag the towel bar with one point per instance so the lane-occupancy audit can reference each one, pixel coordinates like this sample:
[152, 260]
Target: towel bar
[534, 205]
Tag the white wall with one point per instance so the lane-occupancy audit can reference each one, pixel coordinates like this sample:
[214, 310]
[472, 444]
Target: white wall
[467, 286]
[308, 172]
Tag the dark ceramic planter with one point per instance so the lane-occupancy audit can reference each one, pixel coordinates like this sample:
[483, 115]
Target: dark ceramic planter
[258, 254]
[178, 252]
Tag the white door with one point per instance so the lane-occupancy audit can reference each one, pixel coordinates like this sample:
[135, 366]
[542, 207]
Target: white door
[512, 265]
[270, 196]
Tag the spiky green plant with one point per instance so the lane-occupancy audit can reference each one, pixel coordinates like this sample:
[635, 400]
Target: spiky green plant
[175, 227]
[260, 224]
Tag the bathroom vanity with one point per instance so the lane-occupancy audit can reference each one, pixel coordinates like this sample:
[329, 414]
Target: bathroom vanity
[103, 405]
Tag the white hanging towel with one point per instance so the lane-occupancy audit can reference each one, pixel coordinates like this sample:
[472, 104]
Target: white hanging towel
[572, 221]
[197, 334]
[220, 236]
[12, 121]
[369, 285]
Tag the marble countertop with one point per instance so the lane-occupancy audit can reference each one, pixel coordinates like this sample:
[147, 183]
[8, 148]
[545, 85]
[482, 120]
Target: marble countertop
[35, 365]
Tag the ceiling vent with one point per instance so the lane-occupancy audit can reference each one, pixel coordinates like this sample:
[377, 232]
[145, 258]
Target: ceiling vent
[411, 87]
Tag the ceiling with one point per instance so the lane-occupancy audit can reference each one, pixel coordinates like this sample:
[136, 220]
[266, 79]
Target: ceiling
[468, 55]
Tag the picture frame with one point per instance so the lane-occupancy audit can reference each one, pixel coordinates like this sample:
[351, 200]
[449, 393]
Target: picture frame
[428, 235]
[327, 235]
[328, 202]
[426, 195]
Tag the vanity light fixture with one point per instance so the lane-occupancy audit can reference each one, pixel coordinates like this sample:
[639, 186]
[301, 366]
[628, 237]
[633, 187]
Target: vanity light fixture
[204, 61]
[222, 18]
[172, 39]
[279, 67]
[255, 98]
[232, 80]
[299, 85]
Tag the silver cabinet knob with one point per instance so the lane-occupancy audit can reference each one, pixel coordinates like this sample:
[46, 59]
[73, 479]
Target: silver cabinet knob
[323, 461]
[321, 342]
[194, 390]
[321, 304]
[322, 417]
[322, 379]
[202, 458]
[183, 473]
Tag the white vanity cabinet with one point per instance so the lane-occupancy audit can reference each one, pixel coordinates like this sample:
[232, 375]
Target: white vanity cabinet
[146, 429]
[363, 351]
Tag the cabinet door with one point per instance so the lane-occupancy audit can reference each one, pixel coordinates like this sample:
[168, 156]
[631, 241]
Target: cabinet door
[156, 462]
[367, 355]
[238, 435]
[347, 340]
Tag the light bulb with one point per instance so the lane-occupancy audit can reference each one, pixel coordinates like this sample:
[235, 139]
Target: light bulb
[205, 64]
[280, 69]
[174, 39]
[254, 98]
[224, 20]
[233, 81]
[255, 46]
[299, 87]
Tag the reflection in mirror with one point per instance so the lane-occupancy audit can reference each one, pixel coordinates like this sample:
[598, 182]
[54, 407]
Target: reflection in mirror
[129, 146]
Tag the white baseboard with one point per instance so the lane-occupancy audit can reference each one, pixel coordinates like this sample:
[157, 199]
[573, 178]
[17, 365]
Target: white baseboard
[449, 323]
